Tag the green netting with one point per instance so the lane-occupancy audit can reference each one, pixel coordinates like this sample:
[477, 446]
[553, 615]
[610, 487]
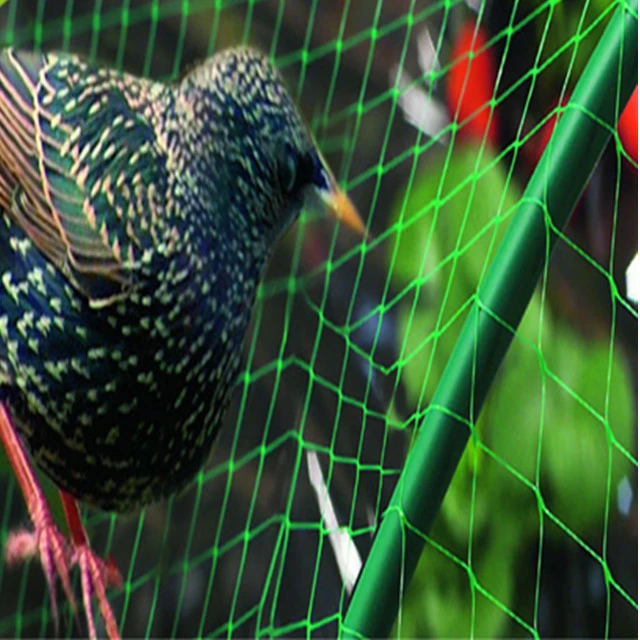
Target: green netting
[349, 340]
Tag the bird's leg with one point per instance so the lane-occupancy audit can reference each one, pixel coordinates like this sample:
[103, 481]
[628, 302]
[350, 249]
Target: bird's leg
[50, 545]
[96, 574]
[46, 540]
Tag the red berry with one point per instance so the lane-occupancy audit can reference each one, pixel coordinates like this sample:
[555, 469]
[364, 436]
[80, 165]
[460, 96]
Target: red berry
[470, 84]
[628, 127]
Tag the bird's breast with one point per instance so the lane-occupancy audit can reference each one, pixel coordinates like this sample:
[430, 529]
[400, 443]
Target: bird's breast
[121, 405]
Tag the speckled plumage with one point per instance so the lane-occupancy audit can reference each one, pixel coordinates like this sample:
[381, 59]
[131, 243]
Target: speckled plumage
[137, 218]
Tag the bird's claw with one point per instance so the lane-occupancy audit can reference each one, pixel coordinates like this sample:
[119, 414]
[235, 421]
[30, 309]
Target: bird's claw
[57, 556]
[55, 553]
[53, 550]
[97, 574]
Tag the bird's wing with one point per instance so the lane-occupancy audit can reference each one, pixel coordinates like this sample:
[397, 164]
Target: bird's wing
[81, 169]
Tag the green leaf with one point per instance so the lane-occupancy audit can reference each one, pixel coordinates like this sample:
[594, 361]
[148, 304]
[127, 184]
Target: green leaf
[447, 230]
[453, 219]
[514, 406]
[464, 509]
[448, 599]
[588, 419]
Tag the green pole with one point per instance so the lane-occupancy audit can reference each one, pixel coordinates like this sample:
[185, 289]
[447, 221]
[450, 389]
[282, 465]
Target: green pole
[553, 191]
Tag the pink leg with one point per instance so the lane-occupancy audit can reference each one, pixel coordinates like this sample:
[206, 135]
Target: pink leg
[96, 574]
[48, 543]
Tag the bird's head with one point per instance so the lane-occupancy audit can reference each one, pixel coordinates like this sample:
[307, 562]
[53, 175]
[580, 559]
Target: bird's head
[272, 163]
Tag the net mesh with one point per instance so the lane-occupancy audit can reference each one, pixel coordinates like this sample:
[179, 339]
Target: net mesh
[433, 116]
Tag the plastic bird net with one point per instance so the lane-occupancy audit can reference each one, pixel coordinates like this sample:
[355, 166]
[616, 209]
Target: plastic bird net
[434, 117]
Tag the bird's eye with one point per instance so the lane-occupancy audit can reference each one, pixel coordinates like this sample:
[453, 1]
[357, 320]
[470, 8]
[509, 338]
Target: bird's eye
[289, 173]
[296, 172]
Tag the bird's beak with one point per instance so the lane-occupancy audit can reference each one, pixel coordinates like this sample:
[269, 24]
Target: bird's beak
[341, 207]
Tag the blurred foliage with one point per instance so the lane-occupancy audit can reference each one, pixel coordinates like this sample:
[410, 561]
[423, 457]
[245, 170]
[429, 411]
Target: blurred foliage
[558, 420]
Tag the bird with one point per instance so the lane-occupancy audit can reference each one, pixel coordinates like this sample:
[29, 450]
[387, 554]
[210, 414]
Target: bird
[137, 218]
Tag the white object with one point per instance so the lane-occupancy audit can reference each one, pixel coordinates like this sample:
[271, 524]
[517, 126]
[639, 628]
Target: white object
[347, 555]
[633, 280]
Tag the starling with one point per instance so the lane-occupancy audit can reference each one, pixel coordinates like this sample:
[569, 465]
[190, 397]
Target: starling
[136, 219]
